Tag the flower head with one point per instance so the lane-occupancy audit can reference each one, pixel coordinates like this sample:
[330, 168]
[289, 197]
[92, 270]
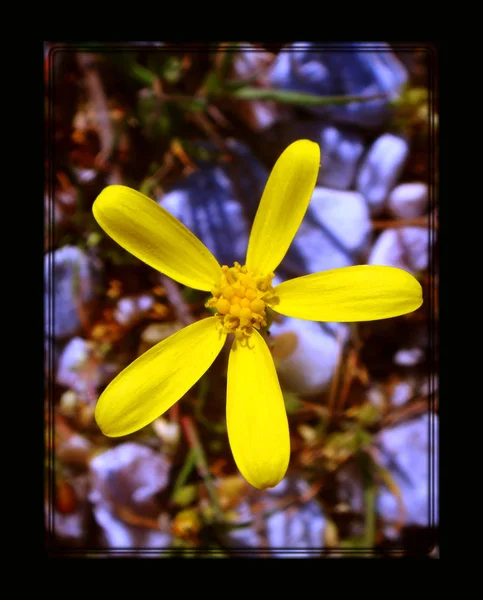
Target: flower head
[241, 296]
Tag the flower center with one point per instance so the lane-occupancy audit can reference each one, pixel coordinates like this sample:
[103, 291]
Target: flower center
[241, 300]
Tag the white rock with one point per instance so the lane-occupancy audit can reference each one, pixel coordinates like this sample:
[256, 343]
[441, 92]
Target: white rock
[301, 527]
[340, 155]
[408, 200]
[408, 357]
[206, 203]
[376, 397]
[381, 169]
[129, 475]
[125, 310]
[334, 233]
[70, 280]
[312, 353]
[117, 534]
[402, 392]
[405, 452]
[78, 369]
[405, 449]
[131, 308]
[405, 248]
[85, 175]
[341, 150]
[76, 450]
[73, 527]
[243, 537]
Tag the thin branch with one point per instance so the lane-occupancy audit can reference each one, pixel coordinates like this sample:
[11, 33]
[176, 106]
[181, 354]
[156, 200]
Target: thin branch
[98, 99]
[392, 223]
[180, 307]
[194, 443]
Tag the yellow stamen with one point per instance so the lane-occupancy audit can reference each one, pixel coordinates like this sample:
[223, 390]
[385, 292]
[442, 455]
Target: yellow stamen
[241, 300]
[251, 293]
[257, 305]
[223, 306]
[235, 310]
[228, 292]
[246, 314]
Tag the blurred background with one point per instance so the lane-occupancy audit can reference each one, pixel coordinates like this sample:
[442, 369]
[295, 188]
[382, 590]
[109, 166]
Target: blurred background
[198, 129]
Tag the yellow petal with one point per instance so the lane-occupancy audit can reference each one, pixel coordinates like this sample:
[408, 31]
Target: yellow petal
[157, 379]
[255, 414]
[361, 293]
[283, 205]
[153, 235]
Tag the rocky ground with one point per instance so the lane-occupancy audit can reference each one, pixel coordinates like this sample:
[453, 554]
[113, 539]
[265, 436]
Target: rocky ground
[198, 130]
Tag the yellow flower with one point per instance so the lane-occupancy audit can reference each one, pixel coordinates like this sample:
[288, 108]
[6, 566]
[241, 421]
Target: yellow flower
[256, 418]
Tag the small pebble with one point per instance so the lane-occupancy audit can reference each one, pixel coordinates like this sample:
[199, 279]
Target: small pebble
[408, 200]
[341, 150]
[408, 357]
[132, 308]
[306, 353]
[381, 170]
[402, 392]
[335, 233]
[79, 368]
[70, 279]
[405, 449]
[405, 248]
[129, 475]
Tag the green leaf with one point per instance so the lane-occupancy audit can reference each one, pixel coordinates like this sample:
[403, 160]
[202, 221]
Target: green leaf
[367, 414]
[211, 83]
[189, 294]
[141, 74]
[154, 115]
[171, 68]
[94, 238]
[353, 542]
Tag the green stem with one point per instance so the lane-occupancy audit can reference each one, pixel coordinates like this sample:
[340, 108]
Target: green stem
[370, 515]
[300, 98]
[236, 84]
[370, 496]
[199, 405]
[202, 464]
[183, 475]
